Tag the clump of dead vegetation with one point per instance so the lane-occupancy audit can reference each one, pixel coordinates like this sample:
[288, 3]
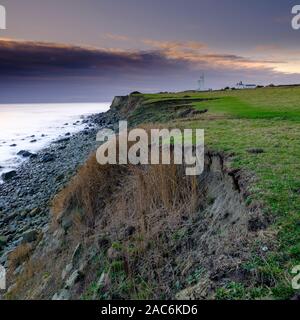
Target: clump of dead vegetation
[145, 231]
[134, 210]
[19, 255]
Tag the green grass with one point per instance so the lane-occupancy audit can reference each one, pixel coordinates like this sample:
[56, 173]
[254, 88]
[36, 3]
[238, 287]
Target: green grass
[236, 121]
[121, 286]
[266, 103]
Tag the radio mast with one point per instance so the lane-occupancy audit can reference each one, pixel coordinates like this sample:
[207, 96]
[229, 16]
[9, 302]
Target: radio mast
[201, 83]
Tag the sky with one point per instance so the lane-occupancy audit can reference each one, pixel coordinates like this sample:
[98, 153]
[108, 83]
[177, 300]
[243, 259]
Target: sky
[92, 50]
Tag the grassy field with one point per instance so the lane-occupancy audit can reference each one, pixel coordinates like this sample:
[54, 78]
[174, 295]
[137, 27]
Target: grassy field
[236, 121]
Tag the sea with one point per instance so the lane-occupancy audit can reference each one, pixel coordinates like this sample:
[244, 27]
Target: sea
[32, 127]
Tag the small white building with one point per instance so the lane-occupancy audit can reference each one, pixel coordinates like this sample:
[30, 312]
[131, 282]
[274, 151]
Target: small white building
[241, 85]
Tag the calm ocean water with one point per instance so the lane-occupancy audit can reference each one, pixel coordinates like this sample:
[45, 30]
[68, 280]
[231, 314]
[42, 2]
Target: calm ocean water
[22, 124]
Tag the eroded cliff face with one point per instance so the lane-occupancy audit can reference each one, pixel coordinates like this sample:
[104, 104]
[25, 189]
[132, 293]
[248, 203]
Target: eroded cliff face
[119, 225]
[121, 108]
[138, 232]
[126, 105]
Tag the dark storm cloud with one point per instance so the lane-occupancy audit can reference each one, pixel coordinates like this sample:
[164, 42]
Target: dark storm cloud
[32, 59]
[44, 72]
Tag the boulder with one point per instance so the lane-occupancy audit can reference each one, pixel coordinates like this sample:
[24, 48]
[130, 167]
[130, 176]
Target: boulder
[60, 178]
[103, 284]
[34, 212]
[9, 175]
[29, 236]
[73, 279]
[10, 217]
[62, 140]
[65, 220]
[24, 153]
[76, 254]
[47, 157]
[66, 270]
[62, 295]
[3, 241]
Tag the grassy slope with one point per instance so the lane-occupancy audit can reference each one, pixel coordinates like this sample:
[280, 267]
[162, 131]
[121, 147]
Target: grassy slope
[236, 121]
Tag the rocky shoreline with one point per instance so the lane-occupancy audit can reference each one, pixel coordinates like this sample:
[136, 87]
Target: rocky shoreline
[25, 197]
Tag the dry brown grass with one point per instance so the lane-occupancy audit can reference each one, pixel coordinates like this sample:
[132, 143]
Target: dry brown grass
[89, 190]
[127, 193]
[155, 200]
[150, 228]
[19, 255]
[22, 284]
[151, 196]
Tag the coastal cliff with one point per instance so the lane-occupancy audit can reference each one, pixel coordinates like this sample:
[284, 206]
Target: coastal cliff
[150, 231]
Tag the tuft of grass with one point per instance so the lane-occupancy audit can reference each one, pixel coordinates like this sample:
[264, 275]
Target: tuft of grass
[19, 255]
[22, 283]
[237, 291]
[148, 199]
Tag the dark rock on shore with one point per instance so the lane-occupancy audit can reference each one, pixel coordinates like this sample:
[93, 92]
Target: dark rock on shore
[47, 157]
[8, 175]
[62, 140]
[24, 153]
[29, 236]
[3, 241]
